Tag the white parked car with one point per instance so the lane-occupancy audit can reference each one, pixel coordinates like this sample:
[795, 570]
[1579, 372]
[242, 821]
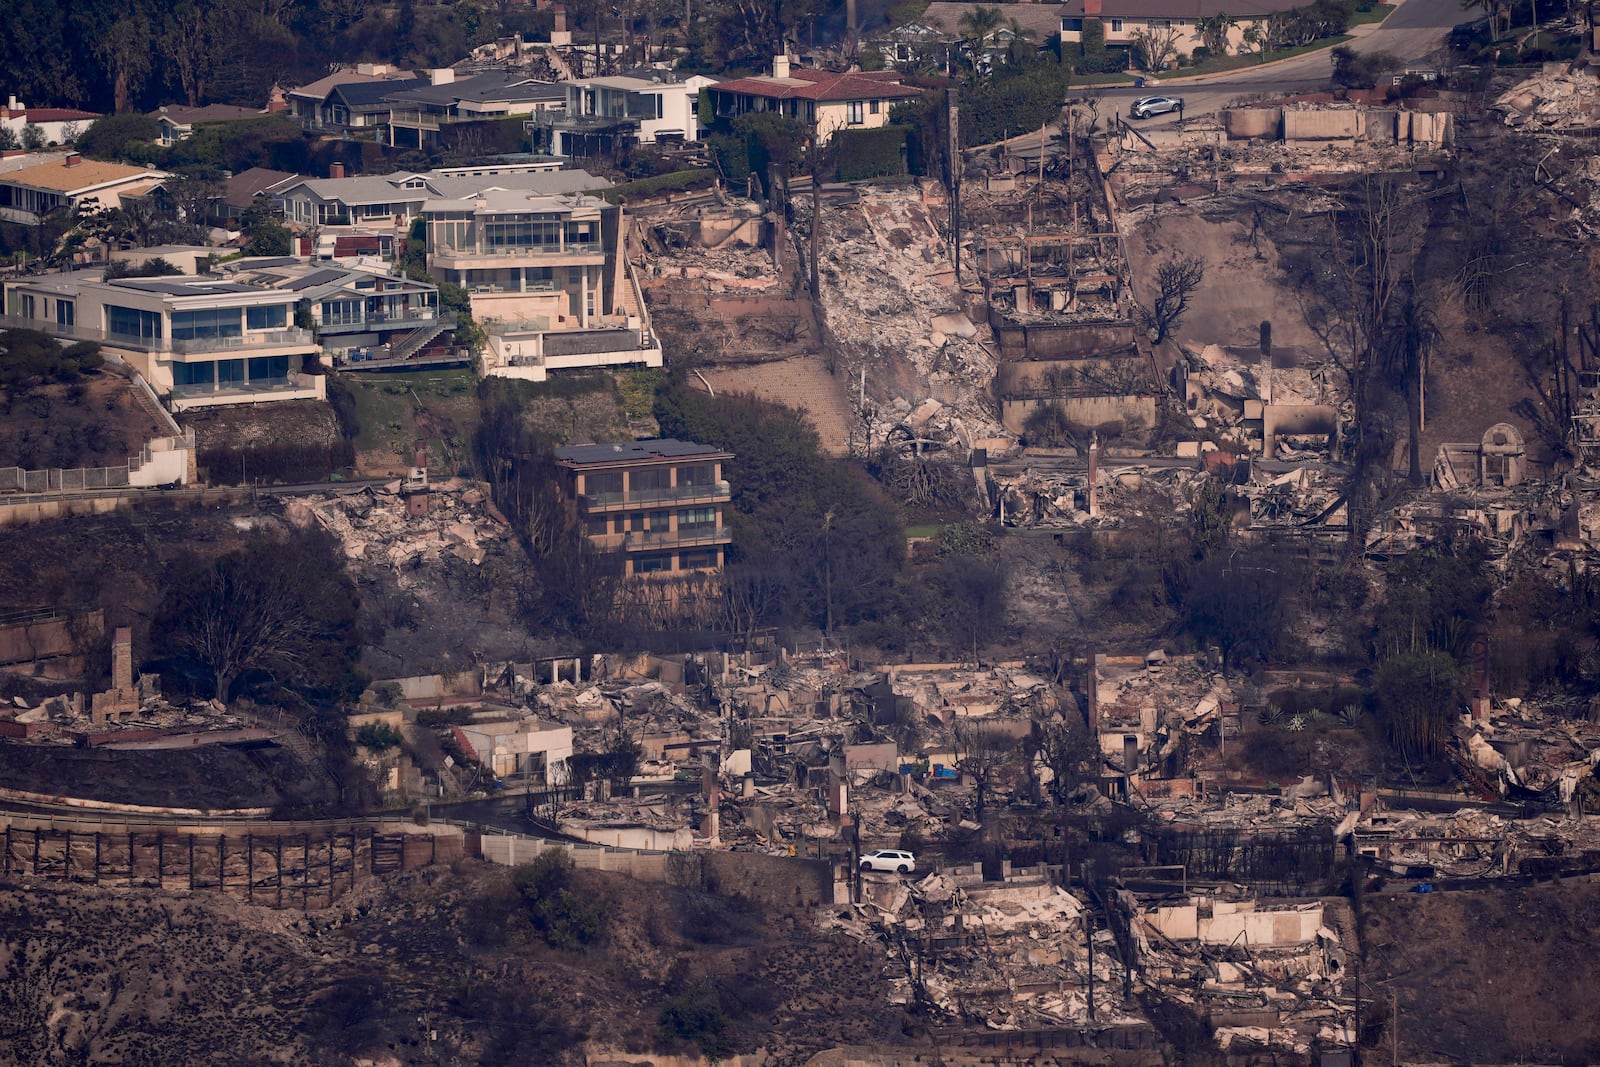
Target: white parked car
[1148, 106]
[889, 859]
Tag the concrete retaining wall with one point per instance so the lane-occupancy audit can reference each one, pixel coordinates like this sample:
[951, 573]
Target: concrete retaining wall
[1133, 412]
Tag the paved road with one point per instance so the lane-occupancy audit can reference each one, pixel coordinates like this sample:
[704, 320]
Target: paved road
[1410, 34]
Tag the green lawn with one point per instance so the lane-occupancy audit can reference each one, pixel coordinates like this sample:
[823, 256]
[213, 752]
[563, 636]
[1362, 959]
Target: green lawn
[1378, 13]
[1253, 59]
[437, 406]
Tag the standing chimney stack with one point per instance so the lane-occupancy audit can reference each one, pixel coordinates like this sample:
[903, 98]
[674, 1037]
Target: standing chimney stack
[1094, 476]
[780, 66]
[336, 170]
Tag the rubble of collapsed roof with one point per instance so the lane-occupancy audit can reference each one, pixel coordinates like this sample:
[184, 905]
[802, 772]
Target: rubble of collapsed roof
[907, 330]
[1270, 144]
[1558, 102]
[385, 525]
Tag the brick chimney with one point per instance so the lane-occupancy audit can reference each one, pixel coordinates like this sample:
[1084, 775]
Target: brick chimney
[1091, 9]
[72, 160]
[561, 18]
[122, 658]
[336, 170]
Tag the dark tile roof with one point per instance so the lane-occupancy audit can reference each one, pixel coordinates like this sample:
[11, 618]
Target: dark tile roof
[242, 188]
[635, 451]
[185, 116]
[361, 94]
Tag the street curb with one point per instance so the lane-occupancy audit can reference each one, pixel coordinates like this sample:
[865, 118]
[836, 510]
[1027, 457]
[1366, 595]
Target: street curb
[1156, 85]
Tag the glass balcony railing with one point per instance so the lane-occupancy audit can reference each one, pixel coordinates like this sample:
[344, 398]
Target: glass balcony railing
[677, 494]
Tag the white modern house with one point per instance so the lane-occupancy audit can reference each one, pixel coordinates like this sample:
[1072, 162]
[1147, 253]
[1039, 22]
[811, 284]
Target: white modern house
[520, 748]
[601, 113]
[201, 341]
[547, 279]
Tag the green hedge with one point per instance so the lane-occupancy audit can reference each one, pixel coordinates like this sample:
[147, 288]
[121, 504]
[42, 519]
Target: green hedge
[863, 154]
[678, 181]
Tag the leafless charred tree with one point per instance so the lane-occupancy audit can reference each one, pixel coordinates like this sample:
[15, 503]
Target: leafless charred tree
[984, 753]
[1176, 282]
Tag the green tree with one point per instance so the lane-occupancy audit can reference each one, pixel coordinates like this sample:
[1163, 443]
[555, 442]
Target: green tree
[794, 510]
[977, 25]
[111, 137]
[8, 140]
[269, 238]
[125, 50]
[564, 916]
[1418, 694]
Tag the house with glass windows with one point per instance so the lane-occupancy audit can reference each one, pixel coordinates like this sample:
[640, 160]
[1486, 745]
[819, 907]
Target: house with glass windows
[547, 278]
[201, 341]
[659, 503]
[360, 314]
[605, 115]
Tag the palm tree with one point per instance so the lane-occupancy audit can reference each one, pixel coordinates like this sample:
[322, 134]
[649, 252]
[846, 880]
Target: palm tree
[977, 26]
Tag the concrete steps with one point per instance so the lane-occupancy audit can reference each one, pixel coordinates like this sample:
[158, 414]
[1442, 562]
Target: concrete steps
[803, 383]
[147, 405]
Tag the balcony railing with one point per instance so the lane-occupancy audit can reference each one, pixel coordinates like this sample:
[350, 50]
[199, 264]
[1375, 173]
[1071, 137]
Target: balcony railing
[268, 339]
[685, 538]
[411, 320]
[677, 494]
[264, 339]
[571, 248]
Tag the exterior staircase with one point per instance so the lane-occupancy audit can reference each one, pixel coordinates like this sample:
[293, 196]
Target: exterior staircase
[421, 337]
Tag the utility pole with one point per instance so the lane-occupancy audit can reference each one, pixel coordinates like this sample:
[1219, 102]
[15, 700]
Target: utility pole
[953, 154]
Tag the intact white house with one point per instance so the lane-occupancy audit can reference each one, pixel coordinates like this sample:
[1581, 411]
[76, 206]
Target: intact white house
[202, 341]
[602, 113]
[547, 278]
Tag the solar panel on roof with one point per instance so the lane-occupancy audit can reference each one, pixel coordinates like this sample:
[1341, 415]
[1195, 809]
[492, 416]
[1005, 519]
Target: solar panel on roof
[318, 277]
[634, 450]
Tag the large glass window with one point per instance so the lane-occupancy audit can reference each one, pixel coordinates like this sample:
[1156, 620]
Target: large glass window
[697, 474]
[191, 375]
[272, 317]
[209, 323]
[269, 368]
[451, 232]
[855, 112]
[133, 323]
[694, 561]
[650, 478]
[603, 482]
[66, 313]
[341, 312]
[583, 233]
[652, 564]
[697, 519]
[230, 372]
[536, 232]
